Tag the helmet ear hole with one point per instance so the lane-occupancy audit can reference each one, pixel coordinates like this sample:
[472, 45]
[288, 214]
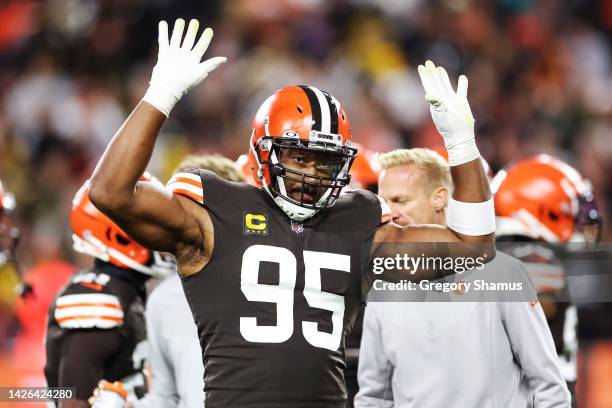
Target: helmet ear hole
[123, 240]
[299, 109]
[553, 216]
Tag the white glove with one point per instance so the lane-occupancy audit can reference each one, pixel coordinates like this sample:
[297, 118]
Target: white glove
[450, 112]
[178, 67]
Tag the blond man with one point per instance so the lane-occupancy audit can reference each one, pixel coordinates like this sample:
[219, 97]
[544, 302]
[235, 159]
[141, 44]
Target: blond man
[460, 354]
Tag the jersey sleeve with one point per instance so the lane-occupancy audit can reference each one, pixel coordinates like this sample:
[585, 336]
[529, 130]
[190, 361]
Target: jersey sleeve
[371, 209]
[187, 183]
[217, 195]
[385, 211]
[88, 311]
[85, 356]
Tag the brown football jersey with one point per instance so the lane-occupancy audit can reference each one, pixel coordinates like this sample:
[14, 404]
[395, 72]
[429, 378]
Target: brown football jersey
[275, 303]
[94, 327]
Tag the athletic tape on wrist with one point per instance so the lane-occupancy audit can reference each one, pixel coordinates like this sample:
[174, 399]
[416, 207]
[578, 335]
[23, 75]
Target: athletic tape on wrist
[474, 219]
[463, 152]
[162, 99]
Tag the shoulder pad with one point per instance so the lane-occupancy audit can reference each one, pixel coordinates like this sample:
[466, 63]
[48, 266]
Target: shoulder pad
[89, 310]
[374, 200]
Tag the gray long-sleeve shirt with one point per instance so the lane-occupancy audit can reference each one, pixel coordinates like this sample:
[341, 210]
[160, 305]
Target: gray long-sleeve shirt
[175, 354]
[464, 355]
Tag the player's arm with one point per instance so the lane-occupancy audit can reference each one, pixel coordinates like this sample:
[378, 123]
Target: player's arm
[146, 212]
[470, 213]
[85, 355]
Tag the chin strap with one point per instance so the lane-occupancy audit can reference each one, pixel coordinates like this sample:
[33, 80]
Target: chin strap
[294, 211]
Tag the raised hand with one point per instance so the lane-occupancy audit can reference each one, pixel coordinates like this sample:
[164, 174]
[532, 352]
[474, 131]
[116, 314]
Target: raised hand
[178, 67]
[450, 112]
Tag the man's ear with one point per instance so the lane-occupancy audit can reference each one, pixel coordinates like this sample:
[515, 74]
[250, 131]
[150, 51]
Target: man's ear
[439, 198]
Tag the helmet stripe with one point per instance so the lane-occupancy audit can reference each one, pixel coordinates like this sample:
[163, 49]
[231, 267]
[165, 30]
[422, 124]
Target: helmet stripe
[325, 109]
[333, 113]
[315, 107]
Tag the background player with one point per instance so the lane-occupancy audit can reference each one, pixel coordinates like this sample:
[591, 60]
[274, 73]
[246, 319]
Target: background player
[224, 235]
[542, 199]
[96, 325]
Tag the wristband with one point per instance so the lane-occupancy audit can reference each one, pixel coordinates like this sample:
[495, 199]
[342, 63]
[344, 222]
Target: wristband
[463, 152]
[473, 219]
[161, 98]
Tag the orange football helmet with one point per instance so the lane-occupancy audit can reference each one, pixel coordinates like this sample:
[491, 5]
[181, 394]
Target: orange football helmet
[365, 169]
[93, 233]
[243, 165]
[308, 119]
[543, 198]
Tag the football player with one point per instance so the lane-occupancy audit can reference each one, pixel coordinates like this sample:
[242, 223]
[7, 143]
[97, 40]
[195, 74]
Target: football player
[96, 325]
[275, 275]
[541, 199]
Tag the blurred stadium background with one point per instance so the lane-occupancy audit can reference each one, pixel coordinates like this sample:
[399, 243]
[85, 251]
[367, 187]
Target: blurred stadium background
[70, 71]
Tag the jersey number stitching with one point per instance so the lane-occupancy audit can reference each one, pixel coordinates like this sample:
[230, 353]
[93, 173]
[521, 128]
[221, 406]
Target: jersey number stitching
[283, 295]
